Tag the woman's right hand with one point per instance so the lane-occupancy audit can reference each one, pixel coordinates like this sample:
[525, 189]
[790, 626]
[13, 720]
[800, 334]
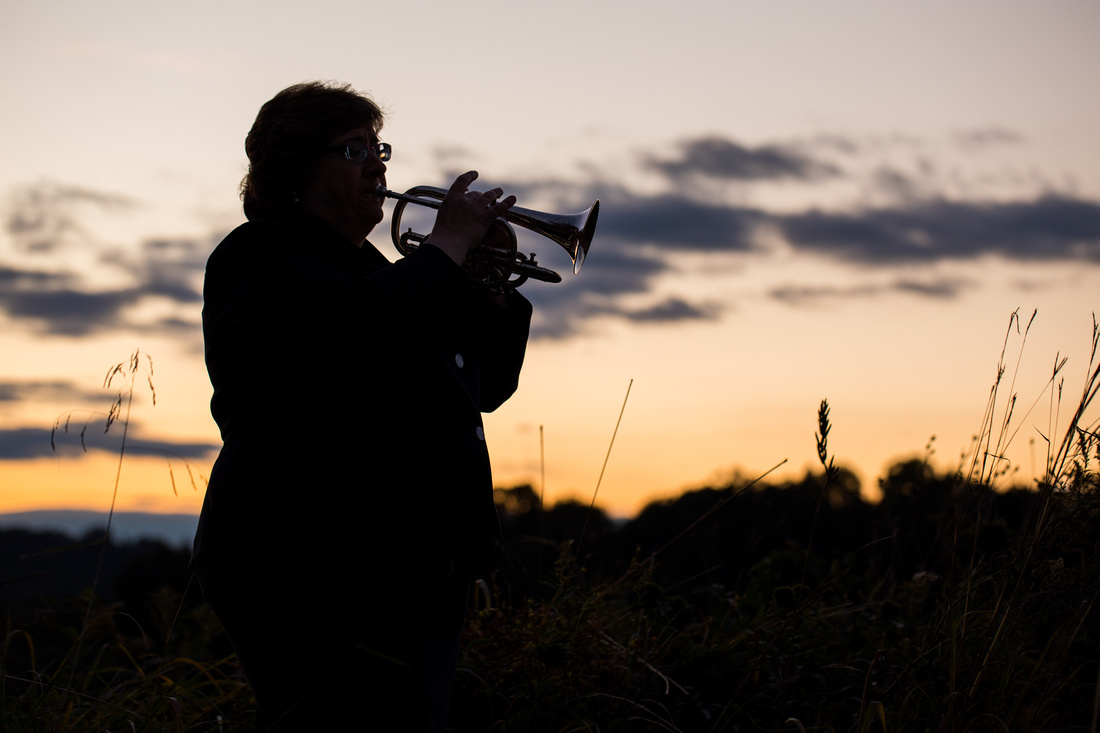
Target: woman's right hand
[464, 217]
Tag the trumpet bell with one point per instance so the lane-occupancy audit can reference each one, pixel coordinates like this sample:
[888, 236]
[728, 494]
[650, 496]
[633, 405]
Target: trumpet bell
[588, 229]
[573, 232]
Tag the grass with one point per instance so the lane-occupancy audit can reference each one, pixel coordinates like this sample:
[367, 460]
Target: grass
[968, 607]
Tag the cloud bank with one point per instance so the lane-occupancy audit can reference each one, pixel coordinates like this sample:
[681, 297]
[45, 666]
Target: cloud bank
[1049, 228]
[28, 443]
[721, 157]
[641, 236]
[43, 223]
[54, 391]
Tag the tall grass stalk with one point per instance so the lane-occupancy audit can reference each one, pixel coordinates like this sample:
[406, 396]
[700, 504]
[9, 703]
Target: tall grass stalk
[1016, 582]
[125, 371]
[603, 468]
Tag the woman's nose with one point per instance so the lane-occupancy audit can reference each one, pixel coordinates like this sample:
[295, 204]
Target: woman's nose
[374, 166]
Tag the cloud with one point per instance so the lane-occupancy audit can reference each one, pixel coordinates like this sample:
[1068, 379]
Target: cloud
[947, 288]
[48, 391]
[620, 265]
[677, 222]
[43, 217]
[671, 221]
[807, 295]
[61, 303]
[558, 318]
[986, 137]
[29, 443]
[672, 310]
[166, 267]
[50, 302]
[69, 311]
[11, 278]
[718, 157]
[898, 184]
[640, 234]
[637, 236]
[46, 217]
[1050, 228]
[564, 310]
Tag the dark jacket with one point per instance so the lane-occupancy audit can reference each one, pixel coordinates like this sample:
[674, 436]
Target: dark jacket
[348, 391]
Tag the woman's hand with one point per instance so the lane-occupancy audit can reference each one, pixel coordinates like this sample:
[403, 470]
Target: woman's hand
[464, 217]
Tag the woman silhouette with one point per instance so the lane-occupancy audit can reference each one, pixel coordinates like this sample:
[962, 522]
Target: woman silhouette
[351, 504]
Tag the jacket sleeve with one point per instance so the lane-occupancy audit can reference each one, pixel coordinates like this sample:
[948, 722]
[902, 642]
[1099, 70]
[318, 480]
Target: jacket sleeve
[426, 287]
[423, 285]
[504, 335]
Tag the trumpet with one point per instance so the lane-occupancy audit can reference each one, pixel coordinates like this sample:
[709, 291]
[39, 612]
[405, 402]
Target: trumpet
[502, 269]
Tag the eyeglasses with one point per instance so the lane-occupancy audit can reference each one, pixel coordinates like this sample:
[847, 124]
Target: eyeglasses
[358, 152]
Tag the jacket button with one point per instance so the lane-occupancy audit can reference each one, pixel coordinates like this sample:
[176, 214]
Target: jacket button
[480, 432]
[459, 361]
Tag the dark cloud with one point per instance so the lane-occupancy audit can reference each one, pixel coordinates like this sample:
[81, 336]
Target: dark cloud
[939, 289]
[29, 443]
[12, 279]
[56, 308]
[563, 310]
[986, 137]
[1046, 229]
[639, 236]
[674, 221]
[618, 268]
[673, 310]
[60, 303]
[638, 239]
[802, 295]
[166, 267]
[65, 311]
[897, 183]
[47, 391]
[718, 157]
[171, 324]
[560, 318]
[810, 294]
[568, 309]
[44, 216]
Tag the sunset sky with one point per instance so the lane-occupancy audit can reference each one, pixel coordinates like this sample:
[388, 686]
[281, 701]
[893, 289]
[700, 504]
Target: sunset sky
[799, 200]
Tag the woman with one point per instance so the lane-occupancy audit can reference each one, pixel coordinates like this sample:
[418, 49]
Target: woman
[351, 504]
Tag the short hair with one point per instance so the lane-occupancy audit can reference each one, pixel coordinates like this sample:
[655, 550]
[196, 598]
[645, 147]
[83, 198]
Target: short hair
[289, 131]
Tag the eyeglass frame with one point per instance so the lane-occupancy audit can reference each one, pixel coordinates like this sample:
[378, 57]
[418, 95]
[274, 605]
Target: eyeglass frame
[384, 151]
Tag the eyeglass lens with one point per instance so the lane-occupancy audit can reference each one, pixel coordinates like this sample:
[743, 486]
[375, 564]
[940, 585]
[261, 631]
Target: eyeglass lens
[359, 152]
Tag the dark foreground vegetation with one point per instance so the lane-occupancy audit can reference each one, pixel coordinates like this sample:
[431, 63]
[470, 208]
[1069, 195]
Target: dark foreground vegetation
[944, 607]
[955, 604]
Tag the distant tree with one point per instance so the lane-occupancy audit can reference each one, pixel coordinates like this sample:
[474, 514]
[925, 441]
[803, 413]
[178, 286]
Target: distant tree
[518, 500]
[534, 539]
